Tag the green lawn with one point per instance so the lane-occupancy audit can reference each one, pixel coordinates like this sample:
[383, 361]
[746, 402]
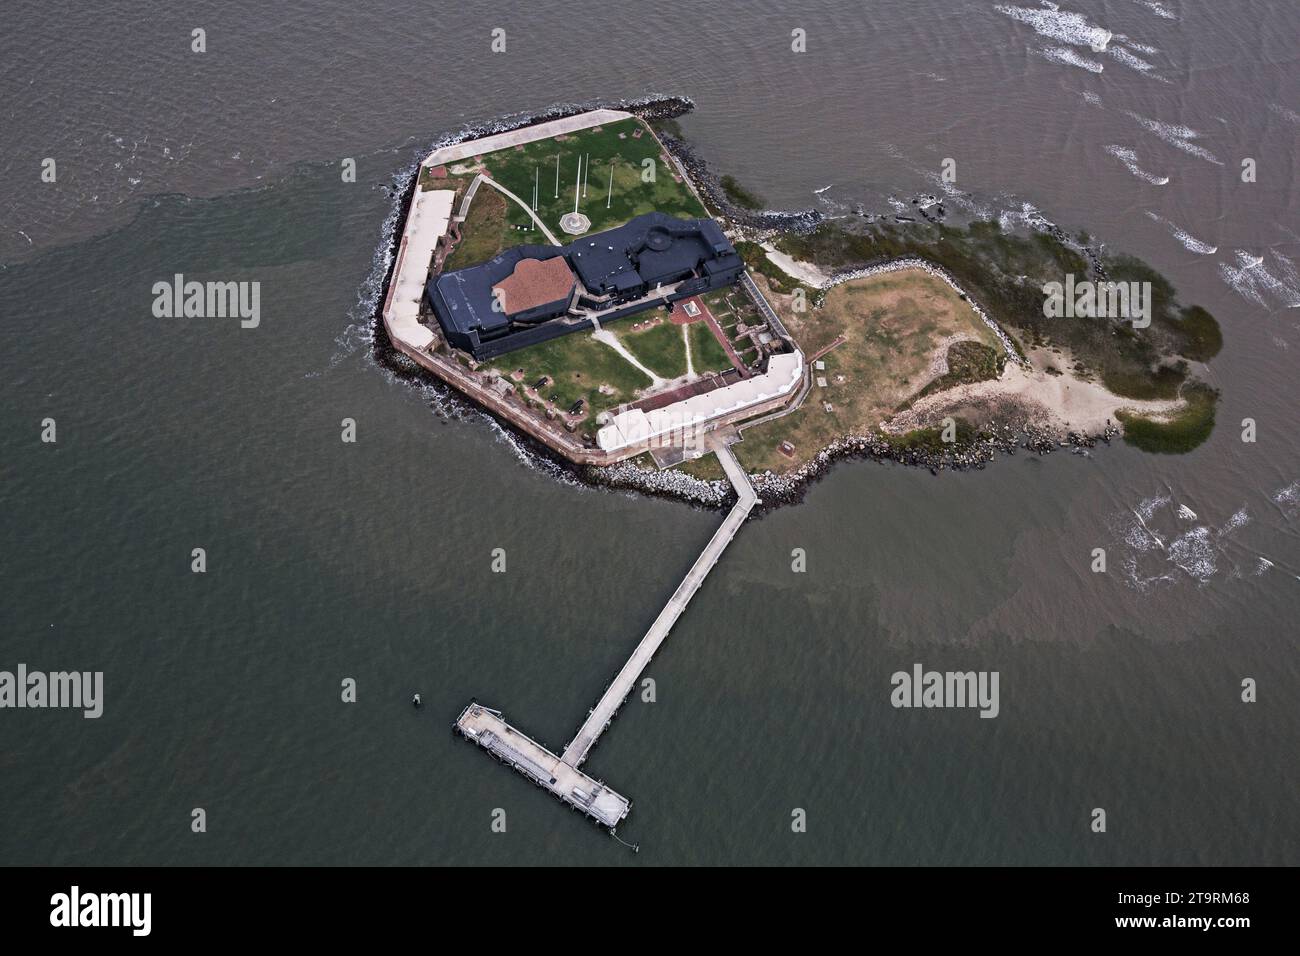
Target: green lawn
[518, 168]
[481, 230]
[661, 348]
[706, 354]
[577, 365]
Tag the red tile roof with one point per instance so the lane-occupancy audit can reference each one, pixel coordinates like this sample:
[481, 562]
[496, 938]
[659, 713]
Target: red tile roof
[534, 282]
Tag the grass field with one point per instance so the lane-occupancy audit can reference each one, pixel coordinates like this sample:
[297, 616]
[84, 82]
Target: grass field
[481, 230]
[1006, 271]
[706, 353]
[579, 366]
[893, 324]
[706, 468]
[660, 348]
[613, 150]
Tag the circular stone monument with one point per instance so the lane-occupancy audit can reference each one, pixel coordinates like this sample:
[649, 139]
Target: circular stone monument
[574, 223]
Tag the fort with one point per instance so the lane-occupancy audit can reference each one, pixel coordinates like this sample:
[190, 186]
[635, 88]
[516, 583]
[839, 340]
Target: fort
[529, 294]
[499, 291]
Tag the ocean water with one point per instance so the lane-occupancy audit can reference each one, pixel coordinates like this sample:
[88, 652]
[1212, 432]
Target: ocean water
[371, 560]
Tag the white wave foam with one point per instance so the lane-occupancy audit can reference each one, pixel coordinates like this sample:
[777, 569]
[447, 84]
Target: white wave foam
[1239, 281]
[1190, 242]
[1147, 507]
[1240, 518]
[1138, 536]
[1288, 499]
[1198, 551]
[1026, 214]
[1289, 275]
[1144, 48]
[1064, 27]
[1176, 135]
[1129, 159]
[834, 208]
[1130, 567]
[963, 200]
[1251, 280]
[1159, 9]
[1285, 113]
[1063, 54]
[1140, 539]
[1132, 61]
[1194, 553]
[1091, 98]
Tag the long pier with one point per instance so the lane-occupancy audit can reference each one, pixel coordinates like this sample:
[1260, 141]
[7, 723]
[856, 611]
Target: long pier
[625, 679]
[560, 774]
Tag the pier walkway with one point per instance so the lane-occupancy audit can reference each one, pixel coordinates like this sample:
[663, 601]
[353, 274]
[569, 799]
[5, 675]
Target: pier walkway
[560, 774]
[621, 686]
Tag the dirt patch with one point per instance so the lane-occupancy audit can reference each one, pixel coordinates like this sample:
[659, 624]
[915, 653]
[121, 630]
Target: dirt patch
[889, 327]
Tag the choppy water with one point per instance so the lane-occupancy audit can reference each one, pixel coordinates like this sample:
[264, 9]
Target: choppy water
[371, 560]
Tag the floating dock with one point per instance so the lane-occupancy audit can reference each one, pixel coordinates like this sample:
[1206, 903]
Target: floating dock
[561, 775]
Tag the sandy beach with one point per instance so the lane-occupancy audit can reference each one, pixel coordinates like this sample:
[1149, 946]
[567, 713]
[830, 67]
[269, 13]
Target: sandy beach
[1061, 402]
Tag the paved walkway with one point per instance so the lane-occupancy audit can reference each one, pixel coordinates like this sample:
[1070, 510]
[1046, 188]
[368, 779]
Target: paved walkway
[525, 134]
[524, 206]
[612, 340]
[681, 317]
[469, 197]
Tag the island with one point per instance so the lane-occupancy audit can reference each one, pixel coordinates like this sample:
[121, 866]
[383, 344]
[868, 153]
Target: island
[590, 282]
[584, 278]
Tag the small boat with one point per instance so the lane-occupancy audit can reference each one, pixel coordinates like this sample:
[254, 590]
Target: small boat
[416, 700]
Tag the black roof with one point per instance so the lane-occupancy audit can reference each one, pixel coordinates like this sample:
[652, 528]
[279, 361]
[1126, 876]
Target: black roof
[466, 294]
[648, 250]
[622, 262]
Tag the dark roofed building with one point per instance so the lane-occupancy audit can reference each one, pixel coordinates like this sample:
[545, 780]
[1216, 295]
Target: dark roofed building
[535, 284]
[652, 250]
[466, 305]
